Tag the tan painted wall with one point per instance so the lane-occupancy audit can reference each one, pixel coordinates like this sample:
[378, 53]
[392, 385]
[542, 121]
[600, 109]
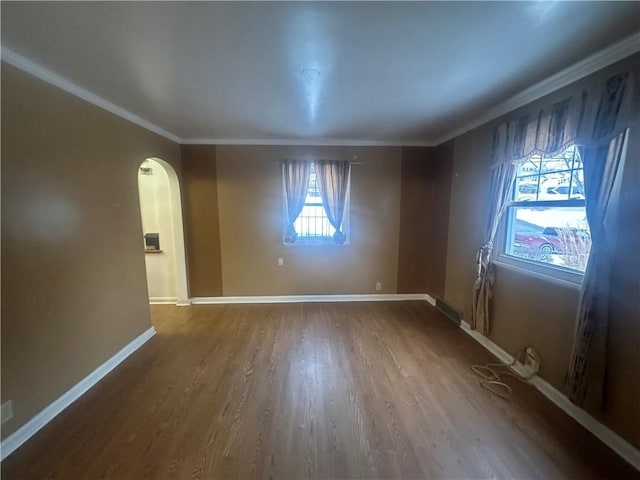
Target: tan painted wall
[424, 218]
[532, 311]
[202, 229]
[467, 217]
[250, 205]
[73, 274]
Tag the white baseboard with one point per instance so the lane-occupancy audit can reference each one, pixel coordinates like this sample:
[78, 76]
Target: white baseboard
[163, 300]
[502, 355]
[606, 435]
[308, 298]
[430, 299]
[168, 301]
[24, 433]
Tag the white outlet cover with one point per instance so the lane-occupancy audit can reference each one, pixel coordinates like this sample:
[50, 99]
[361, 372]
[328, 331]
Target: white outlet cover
[6, 411]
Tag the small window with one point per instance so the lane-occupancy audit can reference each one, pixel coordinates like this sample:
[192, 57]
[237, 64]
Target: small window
[313, 222]
[546, 219]
[312, 225]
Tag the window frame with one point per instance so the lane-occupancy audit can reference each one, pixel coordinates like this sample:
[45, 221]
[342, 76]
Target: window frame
[556, 273]
[316, 240]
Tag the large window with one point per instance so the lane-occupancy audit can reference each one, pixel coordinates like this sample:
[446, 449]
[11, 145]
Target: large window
[546, 220]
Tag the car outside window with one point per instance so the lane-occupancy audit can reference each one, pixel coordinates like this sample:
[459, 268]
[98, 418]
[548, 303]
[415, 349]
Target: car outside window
[546, 218]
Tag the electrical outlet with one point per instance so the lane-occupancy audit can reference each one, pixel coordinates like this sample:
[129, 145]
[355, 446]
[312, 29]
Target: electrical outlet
[378, 286]
[531, 360]
[280, 261]
[6, 411]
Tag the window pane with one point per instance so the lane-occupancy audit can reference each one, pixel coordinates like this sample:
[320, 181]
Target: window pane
[312, 225]
[577, 184]
[313, 191]
[313, 221]
[562, 161]
[556, 236]
[555, 186]
[526, 189]
[530, 166]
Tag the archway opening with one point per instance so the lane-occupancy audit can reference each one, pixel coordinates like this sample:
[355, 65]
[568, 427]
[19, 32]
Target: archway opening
[161, 212]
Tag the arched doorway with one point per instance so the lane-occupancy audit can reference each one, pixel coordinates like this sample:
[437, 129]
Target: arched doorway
[161, 211]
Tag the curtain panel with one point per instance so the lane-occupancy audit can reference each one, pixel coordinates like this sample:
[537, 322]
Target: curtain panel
[594, 118]
[296, 182]
[502, 177]
[333, 180]
[587, 365]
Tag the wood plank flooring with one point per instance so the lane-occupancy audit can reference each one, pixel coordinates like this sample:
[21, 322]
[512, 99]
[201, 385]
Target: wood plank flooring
[343, 390]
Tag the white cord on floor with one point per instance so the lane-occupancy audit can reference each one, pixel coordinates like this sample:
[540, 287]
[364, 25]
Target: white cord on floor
[491, 379]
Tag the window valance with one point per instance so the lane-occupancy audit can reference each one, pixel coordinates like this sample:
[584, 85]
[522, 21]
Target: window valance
[591, 118]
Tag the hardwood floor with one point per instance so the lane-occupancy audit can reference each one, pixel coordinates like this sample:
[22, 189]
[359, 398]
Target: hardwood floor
[343, 390]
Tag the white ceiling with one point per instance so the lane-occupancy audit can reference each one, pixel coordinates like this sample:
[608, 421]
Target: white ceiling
[315, 72]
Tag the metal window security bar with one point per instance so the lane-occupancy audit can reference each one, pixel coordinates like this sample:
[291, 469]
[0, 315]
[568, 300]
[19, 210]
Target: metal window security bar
[313, 221]
[312, 224]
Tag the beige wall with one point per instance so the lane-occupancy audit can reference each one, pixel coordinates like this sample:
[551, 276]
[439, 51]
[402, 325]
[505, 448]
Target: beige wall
[202, 226]
[234, 216]
[250, 207]
[73, 274]
[537, 312]
[424, 217]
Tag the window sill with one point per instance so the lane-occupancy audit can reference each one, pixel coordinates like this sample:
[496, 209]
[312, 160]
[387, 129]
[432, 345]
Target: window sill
[551, 274]
[308, 242]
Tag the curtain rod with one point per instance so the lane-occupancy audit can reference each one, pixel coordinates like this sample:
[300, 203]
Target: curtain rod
[351, 163]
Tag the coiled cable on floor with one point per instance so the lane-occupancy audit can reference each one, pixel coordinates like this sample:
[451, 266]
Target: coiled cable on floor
[491, 376]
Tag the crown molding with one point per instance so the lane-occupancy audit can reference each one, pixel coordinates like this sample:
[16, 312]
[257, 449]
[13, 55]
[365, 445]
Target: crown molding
[305, 142]
[589, 65]
[583, 68]
[48, 76]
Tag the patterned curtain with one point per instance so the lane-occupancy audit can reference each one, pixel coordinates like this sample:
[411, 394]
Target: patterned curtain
[296, 182]
[501, 191]
[596, 119]
[333, 180]
[591, 119]
[585, 378]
